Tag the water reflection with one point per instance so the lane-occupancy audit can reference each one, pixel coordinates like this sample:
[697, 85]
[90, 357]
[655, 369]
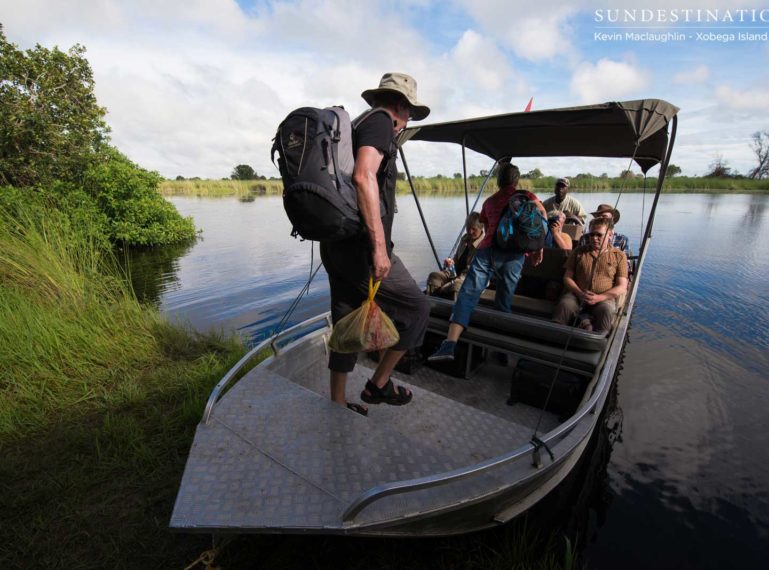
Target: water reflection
[153, 271]
[755, 213]
[712, 202]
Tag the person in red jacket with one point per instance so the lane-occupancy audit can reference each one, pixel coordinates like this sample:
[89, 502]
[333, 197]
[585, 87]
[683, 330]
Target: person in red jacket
[490, 260]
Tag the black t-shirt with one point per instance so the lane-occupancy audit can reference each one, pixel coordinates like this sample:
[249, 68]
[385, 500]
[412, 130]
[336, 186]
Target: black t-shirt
[377, 131]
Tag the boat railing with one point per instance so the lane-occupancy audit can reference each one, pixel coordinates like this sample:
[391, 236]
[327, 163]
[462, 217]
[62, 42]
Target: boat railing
[273, 343]
[381, 491]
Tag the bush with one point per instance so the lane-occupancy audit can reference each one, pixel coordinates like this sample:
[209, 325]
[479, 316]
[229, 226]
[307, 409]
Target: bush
[127, 195]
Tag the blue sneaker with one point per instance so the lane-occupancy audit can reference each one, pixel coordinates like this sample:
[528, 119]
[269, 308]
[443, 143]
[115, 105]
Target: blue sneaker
[445, 352]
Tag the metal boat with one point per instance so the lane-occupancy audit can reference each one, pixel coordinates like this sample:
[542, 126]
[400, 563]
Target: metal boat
[272, 453]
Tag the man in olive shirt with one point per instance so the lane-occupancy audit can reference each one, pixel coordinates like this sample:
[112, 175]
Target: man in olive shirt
[562, 202]
[596, 274]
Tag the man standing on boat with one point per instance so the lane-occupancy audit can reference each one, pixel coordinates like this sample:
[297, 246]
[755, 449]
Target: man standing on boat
[490, 260]
[562, 202]
[349, 263]
[596, 275]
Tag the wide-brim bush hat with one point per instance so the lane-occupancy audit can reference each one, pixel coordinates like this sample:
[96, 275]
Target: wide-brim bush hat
[603, 208]
[404, 85]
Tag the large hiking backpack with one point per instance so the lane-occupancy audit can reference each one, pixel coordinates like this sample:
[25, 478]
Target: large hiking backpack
[522, 227]
[316, 162]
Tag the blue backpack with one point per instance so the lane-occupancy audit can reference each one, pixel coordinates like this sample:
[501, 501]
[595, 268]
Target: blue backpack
[522, 227]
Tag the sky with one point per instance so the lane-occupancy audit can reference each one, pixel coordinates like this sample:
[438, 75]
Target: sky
[195, 87]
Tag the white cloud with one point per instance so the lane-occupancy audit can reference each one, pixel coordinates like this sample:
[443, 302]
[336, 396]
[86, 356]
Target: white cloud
[480, 62]
[194, 87]
[698, 75]
[747, 100]
[607, 80]
[533, 31]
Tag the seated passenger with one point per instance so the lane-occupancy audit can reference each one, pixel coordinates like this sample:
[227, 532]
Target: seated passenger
[556, 237]
[548, 287]
[451, 277]
[490, 260]
[563, 203]
[591, 293]
[608, 213]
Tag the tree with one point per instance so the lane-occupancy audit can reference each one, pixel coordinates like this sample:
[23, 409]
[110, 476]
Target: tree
[243, 172]
[760, 146]
[180, 177]
[718, 168]
[672, 170]
[52, 127]
[53, 138]
[128, 195]
[457, 175]
[627, 174]
[533, 174]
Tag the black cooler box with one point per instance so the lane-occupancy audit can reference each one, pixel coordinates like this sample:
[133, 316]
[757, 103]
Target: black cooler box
[531, 383]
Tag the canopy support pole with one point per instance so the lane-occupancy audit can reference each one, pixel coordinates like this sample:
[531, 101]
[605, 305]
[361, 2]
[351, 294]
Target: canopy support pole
[477, 199]
[464, 172]
[660, 181]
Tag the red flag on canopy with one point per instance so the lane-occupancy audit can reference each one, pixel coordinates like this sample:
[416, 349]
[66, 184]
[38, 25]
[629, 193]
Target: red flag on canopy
[528, 107]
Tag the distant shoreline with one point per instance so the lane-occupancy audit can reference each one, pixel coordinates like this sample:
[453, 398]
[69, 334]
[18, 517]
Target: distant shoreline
[455, 187]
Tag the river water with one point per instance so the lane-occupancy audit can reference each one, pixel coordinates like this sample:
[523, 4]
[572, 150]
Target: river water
[686, 484]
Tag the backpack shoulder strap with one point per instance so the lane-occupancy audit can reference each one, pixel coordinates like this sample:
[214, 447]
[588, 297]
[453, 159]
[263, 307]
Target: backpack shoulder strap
[363, 117]
[357, 121]
[360, 119]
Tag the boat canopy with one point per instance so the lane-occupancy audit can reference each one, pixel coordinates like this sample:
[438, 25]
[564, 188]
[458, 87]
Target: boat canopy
[626, 129]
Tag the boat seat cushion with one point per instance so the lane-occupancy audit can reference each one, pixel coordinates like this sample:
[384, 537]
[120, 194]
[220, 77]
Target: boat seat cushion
[525, 326]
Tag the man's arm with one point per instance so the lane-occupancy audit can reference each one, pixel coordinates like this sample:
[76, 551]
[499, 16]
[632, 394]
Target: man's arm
[367, 163]
[571, 285]
[620, 287]
[561, 239]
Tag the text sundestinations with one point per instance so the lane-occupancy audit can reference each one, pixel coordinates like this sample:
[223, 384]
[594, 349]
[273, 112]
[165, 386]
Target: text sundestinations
[681, 15]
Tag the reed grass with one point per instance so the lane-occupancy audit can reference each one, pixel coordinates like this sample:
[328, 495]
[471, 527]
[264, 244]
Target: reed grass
[248, 189]
[221, 188]
[99, 398]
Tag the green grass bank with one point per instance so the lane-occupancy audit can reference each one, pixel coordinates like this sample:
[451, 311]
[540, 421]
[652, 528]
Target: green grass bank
[99, 399]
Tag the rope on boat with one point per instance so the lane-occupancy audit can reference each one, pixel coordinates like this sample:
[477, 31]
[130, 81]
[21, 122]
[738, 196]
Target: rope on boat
[207, 558]
[534, 437]
[304, 291]
[539, 444]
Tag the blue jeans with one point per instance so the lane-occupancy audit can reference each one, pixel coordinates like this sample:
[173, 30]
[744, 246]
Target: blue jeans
[506, 264]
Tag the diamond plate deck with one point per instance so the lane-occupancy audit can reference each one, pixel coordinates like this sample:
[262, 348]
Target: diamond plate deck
[278, 454]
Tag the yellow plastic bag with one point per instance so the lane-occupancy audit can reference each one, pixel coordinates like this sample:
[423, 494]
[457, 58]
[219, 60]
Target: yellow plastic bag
[367, 328]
